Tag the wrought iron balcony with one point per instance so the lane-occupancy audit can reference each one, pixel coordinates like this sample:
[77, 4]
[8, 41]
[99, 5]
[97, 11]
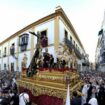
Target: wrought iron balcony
[23, 39]
[103, 59]
[4, 55]
[102, 62]
[102, 51]
[71, 46]
[12, 50]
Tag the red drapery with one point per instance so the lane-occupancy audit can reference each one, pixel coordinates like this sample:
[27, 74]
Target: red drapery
[43, 99]
[57, 69]
[53, 69]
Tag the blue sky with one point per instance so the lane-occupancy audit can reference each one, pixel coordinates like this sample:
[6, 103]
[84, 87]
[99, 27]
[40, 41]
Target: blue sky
[85, 15]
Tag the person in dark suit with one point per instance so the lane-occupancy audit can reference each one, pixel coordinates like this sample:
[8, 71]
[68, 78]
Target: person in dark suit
[89, 92]
[101, 96]
[14, 99]
[46, 59]
[76, 100]
[51, 61]
[4, 101]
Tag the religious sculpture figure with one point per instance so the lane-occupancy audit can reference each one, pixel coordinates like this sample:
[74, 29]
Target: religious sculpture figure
[32, 69]
[24, 61]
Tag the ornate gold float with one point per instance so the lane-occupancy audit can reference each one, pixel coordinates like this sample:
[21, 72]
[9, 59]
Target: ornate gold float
[52, 83]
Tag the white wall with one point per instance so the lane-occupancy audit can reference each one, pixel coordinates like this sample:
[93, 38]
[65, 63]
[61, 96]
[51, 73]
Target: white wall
[20, 57]
[33, 38]
[61, 31]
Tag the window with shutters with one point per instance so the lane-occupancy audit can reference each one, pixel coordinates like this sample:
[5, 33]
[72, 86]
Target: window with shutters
[5, 51]
[12, 67]
[66, 34]
[4, 66]
[23, 41]
[74, 43]
[12, 49]
[71, 39]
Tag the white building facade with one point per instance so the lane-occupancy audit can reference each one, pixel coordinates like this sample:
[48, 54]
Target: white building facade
[100, 50]
[60, 33]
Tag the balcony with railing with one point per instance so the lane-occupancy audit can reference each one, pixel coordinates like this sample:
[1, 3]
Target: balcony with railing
[102, 50]
[23, 39]
[4, 55]
[102, 62]
[71, 46]
[102, 58]
[12, 50]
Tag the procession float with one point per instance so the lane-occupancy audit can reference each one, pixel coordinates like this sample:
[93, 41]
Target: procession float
[48, 85]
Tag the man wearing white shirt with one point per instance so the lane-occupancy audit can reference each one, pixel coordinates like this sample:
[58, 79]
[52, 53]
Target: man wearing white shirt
[93, 101]
[23, 98]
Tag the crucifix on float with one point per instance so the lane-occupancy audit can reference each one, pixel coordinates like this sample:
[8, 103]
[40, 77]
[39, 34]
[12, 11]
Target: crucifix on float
[33, 64]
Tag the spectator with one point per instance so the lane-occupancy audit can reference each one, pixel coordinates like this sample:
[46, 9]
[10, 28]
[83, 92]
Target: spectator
[84, 91]
[93, 101]
[51, 61]
[76, 100]
[14, 99]
[23, 98]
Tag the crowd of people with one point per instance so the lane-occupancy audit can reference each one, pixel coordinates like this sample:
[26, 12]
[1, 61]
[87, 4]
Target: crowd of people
[9, 94]
[93, 90]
